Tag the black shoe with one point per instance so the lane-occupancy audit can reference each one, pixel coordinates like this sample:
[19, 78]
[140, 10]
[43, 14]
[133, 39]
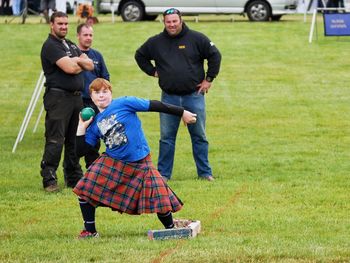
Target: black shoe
[71, 184]
[52, 188]
[71, 181]
[72, 177]
[49, 176]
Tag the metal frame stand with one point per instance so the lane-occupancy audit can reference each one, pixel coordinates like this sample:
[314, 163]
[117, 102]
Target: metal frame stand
[24, 13]
[37, 91]
[314, 15]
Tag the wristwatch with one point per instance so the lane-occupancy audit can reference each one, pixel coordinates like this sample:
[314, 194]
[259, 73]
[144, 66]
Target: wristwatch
[209, 79]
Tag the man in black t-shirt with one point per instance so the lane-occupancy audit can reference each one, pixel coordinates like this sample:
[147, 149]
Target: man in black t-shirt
[63, 64]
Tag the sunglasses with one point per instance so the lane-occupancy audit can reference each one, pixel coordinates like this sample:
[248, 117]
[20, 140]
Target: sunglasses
[171, 11]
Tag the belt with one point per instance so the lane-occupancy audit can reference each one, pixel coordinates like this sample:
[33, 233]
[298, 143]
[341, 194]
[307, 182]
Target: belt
[74, 93]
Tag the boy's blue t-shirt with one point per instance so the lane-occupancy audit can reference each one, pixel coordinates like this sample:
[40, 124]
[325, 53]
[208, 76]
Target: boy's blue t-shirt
[120, 129]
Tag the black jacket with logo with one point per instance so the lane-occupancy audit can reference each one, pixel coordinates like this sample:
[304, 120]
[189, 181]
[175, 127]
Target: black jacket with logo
[179, 60]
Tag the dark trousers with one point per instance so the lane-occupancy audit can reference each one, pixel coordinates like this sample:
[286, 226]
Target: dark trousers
[61, 122]
[5, 8]
[335, 4]
[92, 153]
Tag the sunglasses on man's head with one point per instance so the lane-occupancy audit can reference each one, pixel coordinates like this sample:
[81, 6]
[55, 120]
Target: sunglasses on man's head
[171, 11]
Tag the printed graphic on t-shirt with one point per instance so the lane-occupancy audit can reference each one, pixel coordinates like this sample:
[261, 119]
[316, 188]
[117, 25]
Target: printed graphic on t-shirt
[113, 132]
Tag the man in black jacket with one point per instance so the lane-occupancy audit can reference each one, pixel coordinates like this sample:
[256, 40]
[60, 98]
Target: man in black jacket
[179, 55]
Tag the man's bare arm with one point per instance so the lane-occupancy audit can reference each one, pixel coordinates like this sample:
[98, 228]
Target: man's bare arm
[75, 65]
[85, 62]
[69, 65]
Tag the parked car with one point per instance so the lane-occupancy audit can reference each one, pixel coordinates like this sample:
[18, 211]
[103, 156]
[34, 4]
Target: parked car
[257, 10]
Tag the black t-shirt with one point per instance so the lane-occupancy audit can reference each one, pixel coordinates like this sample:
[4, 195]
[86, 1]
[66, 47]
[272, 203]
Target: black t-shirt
[54, 49]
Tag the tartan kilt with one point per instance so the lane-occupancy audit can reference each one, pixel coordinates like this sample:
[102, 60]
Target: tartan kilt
[131, 187]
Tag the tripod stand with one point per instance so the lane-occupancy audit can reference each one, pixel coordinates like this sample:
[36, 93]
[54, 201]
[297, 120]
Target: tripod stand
[24, 13]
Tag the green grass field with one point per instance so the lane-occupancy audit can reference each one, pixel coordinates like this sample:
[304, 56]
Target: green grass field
[279, 132]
